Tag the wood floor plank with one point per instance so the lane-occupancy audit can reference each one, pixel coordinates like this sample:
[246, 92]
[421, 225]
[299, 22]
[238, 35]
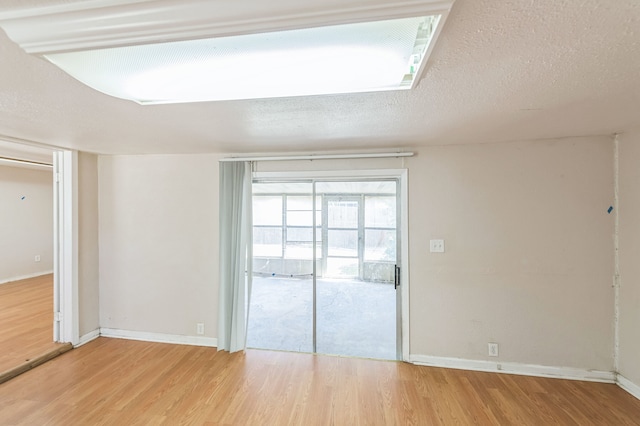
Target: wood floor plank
[26, 322]
[120, 382]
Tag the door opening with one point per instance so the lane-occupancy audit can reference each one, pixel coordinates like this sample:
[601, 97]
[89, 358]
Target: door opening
[325, 267]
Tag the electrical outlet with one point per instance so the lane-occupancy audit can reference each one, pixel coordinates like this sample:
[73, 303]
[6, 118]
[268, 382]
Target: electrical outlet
[200, 328]
[37, 258]
[493, 349]
[436, 246]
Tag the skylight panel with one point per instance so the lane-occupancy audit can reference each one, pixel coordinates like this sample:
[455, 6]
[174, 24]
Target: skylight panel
[350, 58]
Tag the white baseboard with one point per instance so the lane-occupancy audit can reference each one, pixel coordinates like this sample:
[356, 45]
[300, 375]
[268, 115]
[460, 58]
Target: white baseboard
[515, 368]
[92, 335]
[159, 337]
[24, 277]
[628, 385]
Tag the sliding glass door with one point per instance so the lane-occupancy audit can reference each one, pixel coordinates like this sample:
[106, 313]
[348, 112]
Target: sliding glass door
[281, 309]
[325, 267]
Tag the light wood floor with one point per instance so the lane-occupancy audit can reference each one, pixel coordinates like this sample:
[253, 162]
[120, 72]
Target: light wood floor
[120, 382]
[26, 321]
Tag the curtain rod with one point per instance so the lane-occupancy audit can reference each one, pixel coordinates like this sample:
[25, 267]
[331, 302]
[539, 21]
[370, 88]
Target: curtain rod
[31, 163]
[321, 157]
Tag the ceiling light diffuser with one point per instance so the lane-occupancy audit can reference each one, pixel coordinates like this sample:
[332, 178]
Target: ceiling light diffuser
[362, 57]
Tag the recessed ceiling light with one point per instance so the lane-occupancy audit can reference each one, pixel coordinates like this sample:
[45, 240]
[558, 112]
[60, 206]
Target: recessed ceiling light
[174, 63]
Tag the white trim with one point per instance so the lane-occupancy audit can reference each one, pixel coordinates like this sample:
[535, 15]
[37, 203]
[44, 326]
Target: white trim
[57, 243]
[405, 288]
[568, 373]
[92, 335]
[65, 253]
[58, 28]
[175, 339]
[25, 277]
[321, 157]
[628, 385]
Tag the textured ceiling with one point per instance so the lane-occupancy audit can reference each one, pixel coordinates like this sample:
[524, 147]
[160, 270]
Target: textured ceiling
[501, 71]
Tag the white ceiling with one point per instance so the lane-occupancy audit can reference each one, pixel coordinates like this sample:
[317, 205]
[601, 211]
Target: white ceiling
[502, 70]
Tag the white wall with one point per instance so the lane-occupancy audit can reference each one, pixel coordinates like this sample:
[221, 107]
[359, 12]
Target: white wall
[159, 243]
[88, 268]
[26, 222]
[629, 251]
[529, 258]
[529, 252]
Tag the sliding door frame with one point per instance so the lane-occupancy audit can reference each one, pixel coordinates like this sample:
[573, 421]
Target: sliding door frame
[402, 255]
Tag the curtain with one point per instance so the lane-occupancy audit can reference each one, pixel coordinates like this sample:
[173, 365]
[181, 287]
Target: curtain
[235, 255]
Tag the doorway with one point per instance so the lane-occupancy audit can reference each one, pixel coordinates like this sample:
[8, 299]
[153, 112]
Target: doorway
[28, 277]
[326, 267]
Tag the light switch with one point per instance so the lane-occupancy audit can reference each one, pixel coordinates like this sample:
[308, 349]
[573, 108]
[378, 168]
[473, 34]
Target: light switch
[436, 246]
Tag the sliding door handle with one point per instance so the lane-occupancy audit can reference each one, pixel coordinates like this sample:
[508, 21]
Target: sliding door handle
[396, 276]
